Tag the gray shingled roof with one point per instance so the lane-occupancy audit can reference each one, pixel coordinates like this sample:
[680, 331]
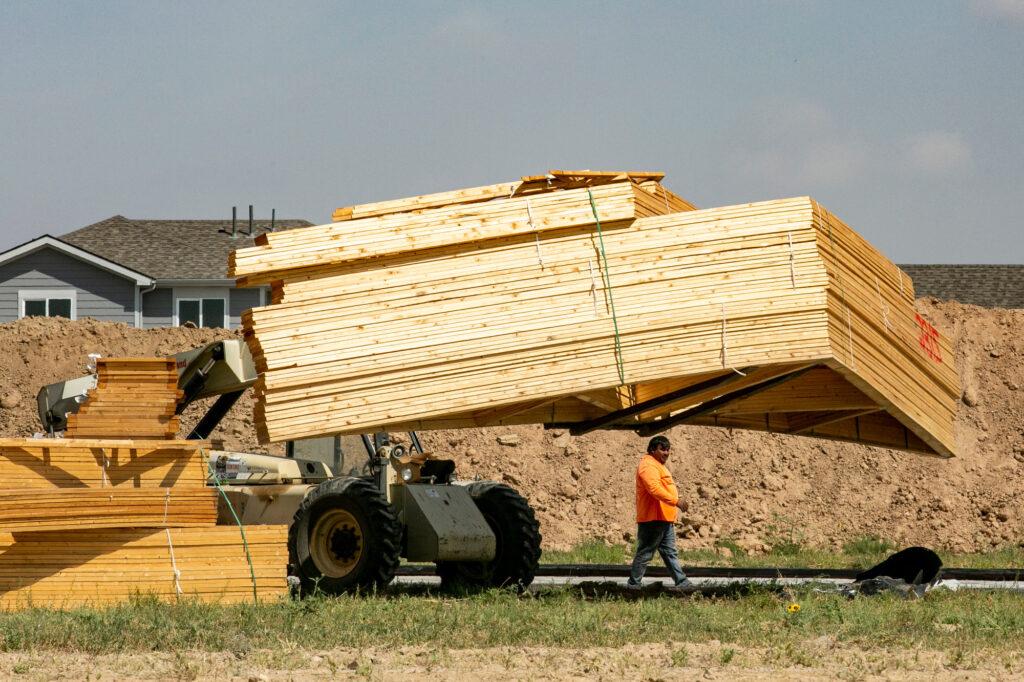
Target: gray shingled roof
[992, 286]
[170, 249]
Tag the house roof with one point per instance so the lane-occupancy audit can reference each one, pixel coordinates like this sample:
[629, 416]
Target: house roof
[48, 241]
[991, 286]
[171, 249]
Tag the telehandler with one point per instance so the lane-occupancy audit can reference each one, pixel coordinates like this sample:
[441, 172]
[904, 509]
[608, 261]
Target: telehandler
[355, 511]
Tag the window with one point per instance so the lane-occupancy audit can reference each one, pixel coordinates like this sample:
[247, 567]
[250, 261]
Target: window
[202, 312]
[39, 303]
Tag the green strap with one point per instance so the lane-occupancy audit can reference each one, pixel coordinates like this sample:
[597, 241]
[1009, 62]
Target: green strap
[606, 276]
[241, 528]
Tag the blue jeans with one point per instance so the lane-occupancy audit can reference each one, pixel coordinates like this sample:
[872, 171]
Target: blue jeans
[655, 535]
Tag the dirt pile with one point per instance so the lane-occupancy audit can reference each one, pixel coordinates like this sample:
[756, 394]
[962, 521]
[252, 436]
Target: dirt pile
[749, 488]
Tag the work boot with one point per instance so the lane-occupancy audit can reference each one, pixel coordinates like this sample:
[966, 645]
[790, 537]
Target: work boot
[685, 586]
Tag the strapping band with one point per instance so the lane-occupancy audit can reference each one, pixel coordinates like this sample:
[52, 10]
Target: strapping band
[842, 289]
[170, 545]
[241, 528]
[593, 285]
[536, 235]
[725, 346]
[608, 288]
[882, 305]
[792, 266]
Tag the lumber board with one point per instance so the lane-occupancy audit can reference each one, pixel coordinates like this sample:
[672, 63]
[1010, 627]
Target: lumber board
[526, 185]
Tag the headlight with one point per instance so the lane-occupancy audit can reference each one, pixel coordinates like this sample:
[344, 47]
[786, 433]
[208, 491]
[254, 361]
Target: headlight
[406, 474]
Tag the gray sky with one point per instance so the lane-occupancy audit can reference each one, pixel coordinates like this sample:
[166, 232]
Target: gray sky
[904, 118]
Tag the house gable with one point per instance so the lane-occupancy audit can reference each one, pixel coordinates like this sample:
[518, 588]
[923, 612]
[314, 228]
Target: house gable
[77, 252]
[48, 271]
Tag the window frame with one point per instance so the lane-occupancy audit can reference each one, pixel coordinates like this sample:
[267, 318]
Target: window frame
[46, 295]
[199, 299]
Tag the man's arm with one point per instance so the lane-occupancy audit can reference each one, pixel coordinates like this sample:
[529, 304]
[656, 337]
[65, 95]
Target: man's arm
[651, 481]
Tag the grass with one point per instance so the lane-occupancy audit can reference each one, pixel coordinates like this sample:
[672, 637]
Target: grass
[860, 553]
[963, 622]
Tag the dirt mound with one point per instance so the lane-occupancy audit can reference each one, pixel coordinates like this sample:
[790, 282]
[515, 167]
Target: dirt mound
[750, 488]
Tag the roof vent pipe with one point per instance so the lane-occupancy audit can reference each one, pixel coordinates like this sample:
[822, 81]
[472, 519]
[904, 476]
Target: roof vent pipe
[234, 222]
[250, 220]
[273, 218]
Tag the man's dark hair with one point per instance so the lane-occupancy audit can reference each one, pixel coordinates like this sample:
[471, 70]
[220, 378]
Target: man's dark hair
[658, 442]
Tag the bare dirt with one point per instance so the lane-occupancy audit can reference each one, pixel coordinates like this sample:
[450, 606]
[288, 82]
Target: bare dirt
[750, 488]
[819, 659]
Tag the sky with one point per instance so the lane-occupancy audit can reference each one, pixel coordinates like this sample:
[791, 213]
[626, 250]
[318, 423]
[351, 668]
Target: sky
[906, 119]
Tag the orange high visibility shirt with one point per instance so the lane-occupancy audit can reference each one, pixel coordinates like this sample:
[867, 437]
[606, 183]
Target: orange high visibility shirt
[656, 492]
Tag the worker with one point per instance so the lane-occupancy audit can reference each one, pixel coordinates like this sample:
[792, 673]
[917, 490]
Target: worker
[657, 505]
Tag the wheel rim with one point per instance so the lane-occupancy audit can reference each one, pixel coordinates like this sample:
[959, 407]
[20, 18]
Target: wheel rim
[336, 543]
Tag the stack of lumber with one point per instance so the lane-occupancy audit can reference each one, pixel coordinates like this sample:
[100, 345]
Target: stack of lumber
[95, 463]
[97, 567]
[89, 508]
[94, 521]
[134, 397]
[596, 300]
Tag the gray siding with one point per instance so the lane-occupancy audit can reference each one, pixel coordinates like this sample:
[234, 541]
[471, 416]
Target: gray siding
[240, 301]
[158, 308]
[101, 294]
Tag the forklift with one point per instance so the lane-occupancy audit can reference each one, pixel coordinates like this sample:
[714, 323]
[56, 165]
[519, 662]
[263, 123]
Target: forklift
[355, 505]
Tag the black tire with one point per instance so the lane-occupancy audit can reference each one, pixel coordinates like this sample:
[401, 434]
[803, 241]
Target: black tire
[344, 538]
[518, 542]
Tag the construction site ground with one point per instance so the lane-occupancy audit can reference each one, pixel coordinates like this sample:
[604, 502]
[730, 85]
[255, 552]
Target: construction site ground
[554, 634]
[748, 491]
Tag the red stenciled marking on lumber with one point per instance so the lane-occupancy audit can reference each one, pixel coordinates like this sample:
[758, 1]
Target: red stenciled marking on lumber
[929, 339]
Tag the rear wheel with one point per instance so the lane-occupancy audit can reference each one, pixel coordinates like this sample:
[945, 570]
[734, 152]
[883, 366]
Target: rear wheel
[344, 537]
[517, 552]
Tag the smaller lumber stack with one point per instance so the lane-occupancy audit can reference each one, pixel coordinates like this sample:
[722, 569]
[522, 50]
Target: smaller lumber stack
[87, 522]
[134, 397]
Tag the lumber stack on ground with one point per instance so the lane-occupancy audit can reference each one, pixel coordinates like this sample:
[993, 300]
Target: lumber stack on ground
[94, 522]
[133, 398]
[101, 567]
[412, 313]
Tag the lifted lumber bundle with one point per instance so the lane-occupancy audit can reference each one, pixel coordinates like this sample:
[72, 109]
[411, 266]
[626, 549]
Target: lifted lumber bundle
[592, 300]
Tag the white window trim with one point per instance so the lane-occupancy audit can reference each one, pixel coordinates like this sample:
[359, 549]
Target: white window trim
[36, 294]
[200, 299]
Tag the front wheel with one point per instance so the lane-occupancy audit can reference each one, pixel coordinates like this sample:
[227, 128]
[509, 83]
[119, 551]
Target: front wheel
[517, 552]
[344, 537]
